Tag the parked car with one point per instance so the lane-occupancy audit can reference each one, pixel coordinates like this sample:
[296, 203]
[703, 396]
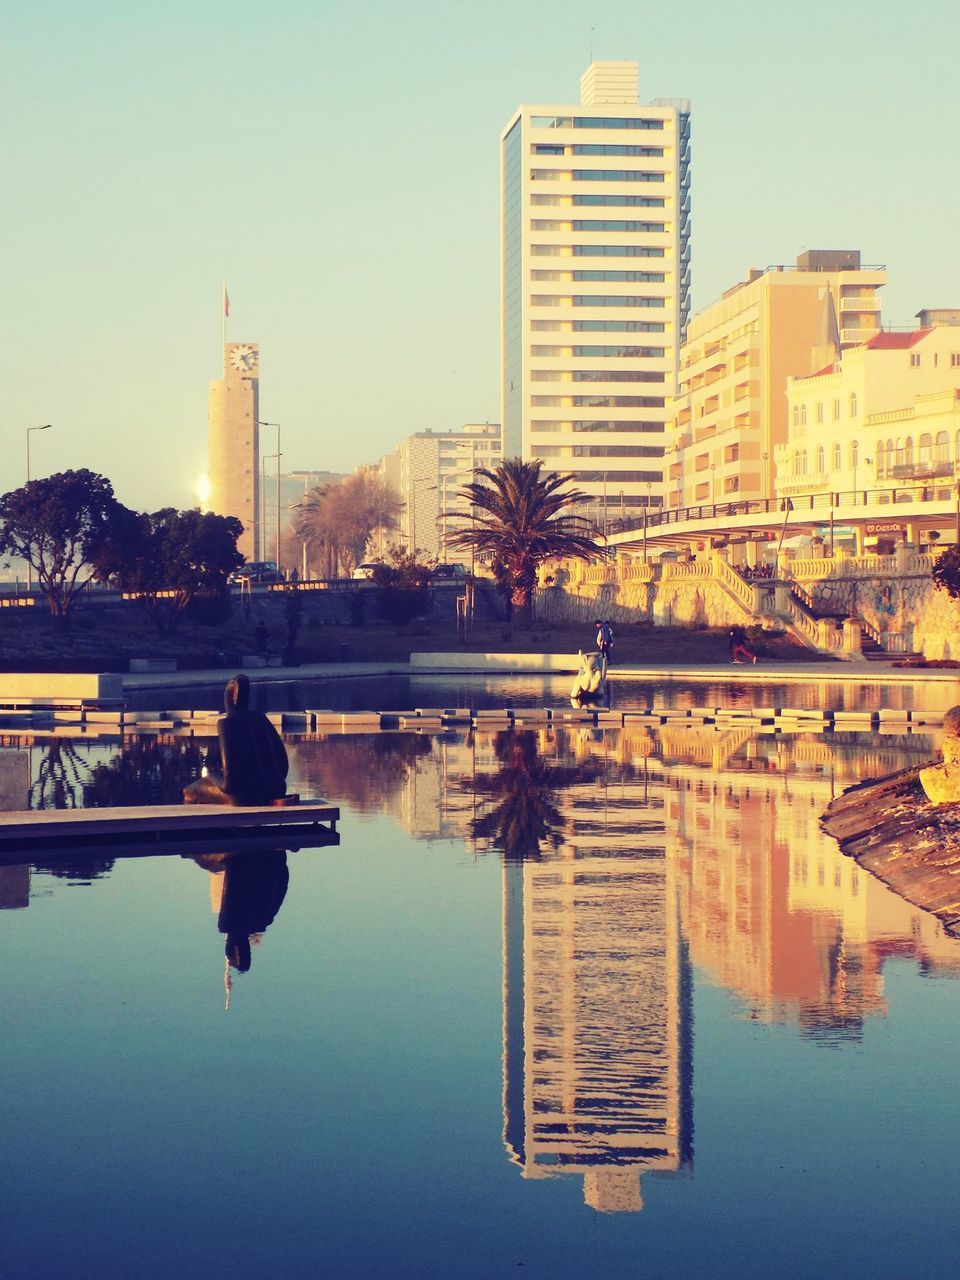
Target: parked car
[255, 571]
[445, 572]
[364, 572]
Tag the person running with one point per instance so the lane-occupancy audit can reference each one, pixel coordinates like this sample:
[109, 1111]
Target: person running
[739, 653]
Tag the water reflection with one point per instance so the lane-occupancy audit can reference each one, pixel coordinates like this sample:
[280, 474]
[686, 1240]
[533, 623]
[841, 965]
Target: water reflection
[521, 798]
[247, 890]
[366, 771]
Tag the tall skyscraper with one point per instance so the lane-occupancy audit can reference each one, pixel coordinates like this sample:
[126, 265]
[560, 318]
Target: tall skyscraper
[595, 283]
[233, 442]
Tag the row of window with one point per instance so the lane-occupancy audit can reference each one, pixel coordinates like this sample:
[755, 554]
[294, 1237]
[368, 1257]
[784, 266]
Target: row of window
[616, 277]
[593, 149]
[597, 375]
[623, 201]
[598, 326]
[646, 353]
[799, 416]
[599, 224]
[598, 250]
[598, 402]
[597, 451]
[598, 425]
[593, 122]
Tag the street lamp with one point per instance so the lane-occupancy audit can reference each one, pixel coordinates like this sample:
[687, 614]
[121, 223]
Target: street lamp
[46, 427]
[277, 456]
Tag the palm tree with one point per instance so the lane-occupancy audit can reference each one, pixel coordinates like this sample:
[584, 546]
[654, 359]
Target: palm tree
[518, 519]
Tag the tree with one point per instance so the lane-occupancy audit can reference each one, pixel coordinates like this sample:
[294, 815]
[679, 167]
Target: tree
[404, 586]
[337, 521]
[58, 525]
[519, 519]
[171, 558]
[946, 572]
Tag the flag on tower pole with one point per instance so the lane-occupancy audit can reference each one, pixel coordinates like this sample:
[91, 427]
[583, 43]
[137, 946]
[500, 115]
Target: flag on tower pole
[226, 312]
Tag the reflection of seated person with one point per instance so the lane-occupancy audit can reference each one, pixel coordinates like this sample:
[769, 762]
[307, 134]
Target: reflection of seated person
[253, 756]
[253, 888]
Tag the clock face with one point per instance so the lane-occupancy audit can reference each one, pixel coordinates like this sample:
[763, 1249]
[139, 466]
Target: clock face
[244, 359]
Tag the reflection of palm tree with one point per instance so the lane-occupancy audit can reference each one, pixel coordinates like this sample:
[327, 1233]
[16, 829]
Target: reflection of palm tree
[523, 792]
[61, 777]
[365, 771]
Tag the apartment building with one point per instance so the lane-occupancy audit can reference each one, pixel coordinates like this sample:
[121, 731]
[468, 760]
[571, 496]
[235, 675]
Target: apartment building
[428, 470]
[885, 416]
[730, 414]
[595, 283]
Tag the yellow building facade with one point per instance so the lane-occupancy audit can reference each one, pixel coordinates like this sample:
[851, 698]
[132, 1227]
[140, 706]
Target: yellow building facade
[730, 414]
[882, 421]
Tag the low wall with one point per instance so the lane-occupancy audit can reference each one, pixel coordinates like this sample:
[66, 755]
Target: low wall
[563, 662]
[24, 686]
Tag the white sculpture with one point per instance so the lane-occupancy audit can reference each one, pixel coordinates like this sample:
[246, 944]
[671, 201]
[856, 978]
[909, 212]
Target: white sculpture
[591, 678]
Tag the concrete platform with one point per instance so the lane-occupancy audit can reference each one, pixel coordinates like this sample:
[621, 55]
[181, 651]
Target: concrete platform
[22, 830]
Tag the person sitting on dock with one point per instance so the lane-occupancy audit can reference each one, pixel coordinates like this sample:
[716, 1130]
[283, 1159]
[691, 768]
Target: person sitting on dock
[252, 754]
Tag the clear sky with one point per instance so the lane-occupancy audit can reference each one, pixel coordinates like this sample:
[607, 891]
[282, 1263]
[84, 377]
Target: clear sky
[337, 164]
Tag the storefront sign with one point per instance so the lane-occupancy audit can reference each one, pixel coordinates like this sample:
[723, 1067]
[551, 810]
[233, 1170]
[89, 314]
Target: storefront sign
[884, 526]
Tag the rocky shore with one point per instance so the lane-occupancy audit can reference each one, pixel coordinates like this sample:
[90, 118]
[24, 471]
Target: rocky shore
[893, 831]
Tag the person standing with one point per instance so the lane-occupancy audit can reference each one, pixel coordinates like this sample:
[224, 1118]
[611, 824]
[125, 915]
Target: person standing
[604, 638]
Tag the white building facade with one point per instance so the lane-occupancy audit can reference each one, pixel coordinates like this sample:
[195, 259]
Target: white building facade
[595, 283]
[884, 418]
[428, 470]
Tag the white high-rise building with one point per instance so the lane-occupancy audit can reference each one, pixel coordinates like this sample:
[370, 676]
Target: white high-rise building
[595, 280]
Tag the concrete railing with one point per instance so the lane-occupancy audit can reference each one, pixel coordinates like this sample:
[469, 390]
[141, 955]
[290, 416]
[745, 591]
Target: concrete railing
[745, 593]
[678, 570]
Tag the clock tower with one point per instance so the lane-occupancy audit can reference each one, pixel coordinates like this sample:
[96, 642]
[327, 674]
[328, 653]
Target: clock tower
[233, 443]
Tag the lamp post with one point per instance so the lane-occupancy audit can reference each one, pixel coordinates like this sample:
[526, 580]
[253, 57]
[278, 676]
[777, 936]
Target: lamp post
[46, 427]
[276, 455]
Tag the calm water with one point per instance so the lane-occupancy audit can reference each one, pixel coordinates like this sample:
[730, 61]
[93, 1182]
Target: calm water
[405, 693]
[559, 1005]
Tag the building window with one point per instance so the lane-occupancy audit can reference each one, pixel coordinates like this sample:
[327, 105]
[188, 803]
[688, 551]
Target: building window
[853, 404]
[820, 411]
[614, 149]
[821, 461]
[630, 352]
[942, 447]
[796, 415]
[616, 175]
[605, 300]
[836, 457]
[548, 149]
[854, 453]
[622, 277]
[955, 359]
[836, 410]
[803, 415]
[881, 460]
[612, 224]
[914, 359]
[616, 251]
[643, 202]
[731, 484]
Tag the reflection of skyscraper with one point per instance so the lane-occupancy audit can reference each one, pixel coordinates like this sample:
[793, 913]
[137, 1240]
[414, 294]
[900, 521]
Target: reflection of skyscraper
[597, 1077]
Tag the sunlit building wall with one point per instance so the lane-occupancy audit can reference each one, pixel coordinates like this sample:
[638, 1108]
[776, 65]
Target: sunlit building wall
[730, 414]
[885, 415]
[595, 283]
[233, 443]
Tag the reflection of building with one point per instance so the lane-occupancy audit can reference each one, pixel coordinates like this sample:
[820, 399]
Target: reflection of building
[233, 449]
[771, 908]
[597, 1078]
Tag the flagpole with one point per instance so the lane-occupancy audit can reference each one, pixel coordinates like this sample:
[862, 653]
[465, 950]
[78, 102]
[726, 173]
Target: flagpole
[226, 312]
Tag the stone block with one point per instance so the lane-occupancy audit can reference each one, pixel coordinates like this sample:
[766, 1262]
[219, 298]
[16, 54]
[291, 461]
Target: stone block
[940, 785]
